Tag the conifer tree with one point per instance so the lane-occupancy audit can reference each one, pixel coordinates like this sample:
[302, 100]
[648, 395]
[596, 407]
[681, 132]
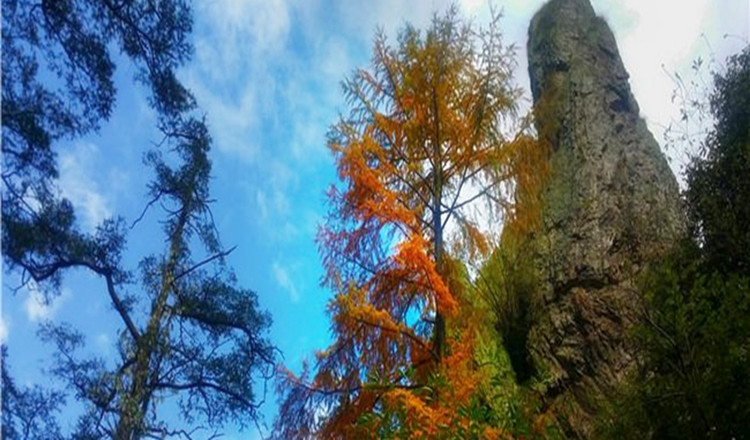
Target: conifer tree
[422, 144]
[188, 332]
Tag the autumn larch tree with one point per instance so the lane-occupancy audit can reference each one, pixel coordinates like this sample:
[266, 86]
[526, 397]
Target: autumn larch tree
[188, 333]
[423, 143]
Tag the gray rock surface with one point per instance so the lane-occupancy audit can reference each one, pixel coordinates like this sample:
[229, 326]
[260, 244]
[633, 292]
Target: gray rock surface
[610, 206]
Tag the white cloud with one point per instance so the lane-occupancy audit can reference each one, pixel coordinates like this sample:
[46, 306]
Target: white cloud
[283, 279]
[39, 306]
[657, 40]
[232, 33]
[471, 5]
[273, 207]
[232, 115]
[266, 22]
[236, 44]
[4, 325]
[78, 185]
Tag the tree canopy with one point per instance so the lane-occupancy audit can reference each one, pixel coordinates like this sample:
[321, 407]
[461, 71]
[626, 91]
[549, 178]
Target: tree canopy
[426, 139]
[57, 85]
[718, 192]
[188, 332]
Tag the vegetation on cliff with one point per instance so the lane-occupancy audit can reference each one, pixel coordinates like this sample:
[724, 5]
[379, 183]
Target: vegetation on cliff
[693, 380]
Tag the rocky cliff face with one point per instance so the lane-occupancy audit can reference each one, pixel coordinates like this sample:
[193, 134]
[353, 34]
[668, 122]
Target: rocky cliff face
[610, 206]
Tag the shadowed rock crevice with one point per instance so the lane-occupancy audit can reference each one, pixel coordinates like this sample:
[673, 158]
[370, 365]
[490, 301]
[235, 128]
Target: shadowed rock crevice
[610, 206]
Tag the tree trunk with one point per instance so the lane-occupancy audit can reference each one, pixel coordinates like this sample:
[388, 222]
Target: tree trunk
[437, 224]
[135, 404]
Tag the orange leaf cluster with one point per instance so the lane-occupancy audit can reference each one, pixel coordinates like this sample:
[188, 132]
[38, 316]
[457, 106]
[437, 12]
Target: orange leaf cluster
[412, 256]
[421, 421]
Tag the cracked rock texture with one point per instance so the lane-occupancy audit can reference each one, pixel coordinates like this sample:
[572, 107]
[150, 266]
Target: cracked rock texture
[610, 206]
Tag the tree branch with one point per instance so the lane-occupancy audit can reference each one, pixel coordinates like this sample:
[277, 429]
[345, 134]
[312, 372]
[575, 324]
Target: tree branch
[42, 273]
[204, 262]
[202, 384]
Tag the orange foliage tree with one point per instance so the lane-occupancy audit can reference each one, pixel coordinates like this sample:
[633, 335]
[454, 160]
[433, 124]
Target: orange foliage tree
[424, 142]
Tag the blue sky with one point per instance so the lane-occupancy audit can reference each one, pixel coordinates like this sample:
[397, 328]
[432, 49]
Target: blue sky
[267, 75]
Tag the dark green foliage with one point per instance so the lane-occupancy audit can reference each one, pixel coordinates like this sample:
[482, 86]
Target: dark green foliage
[28, 413]
[694, 380]
[507, 284]
[57, 84]
[719, 184]
[189, 333]
[202, 338]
